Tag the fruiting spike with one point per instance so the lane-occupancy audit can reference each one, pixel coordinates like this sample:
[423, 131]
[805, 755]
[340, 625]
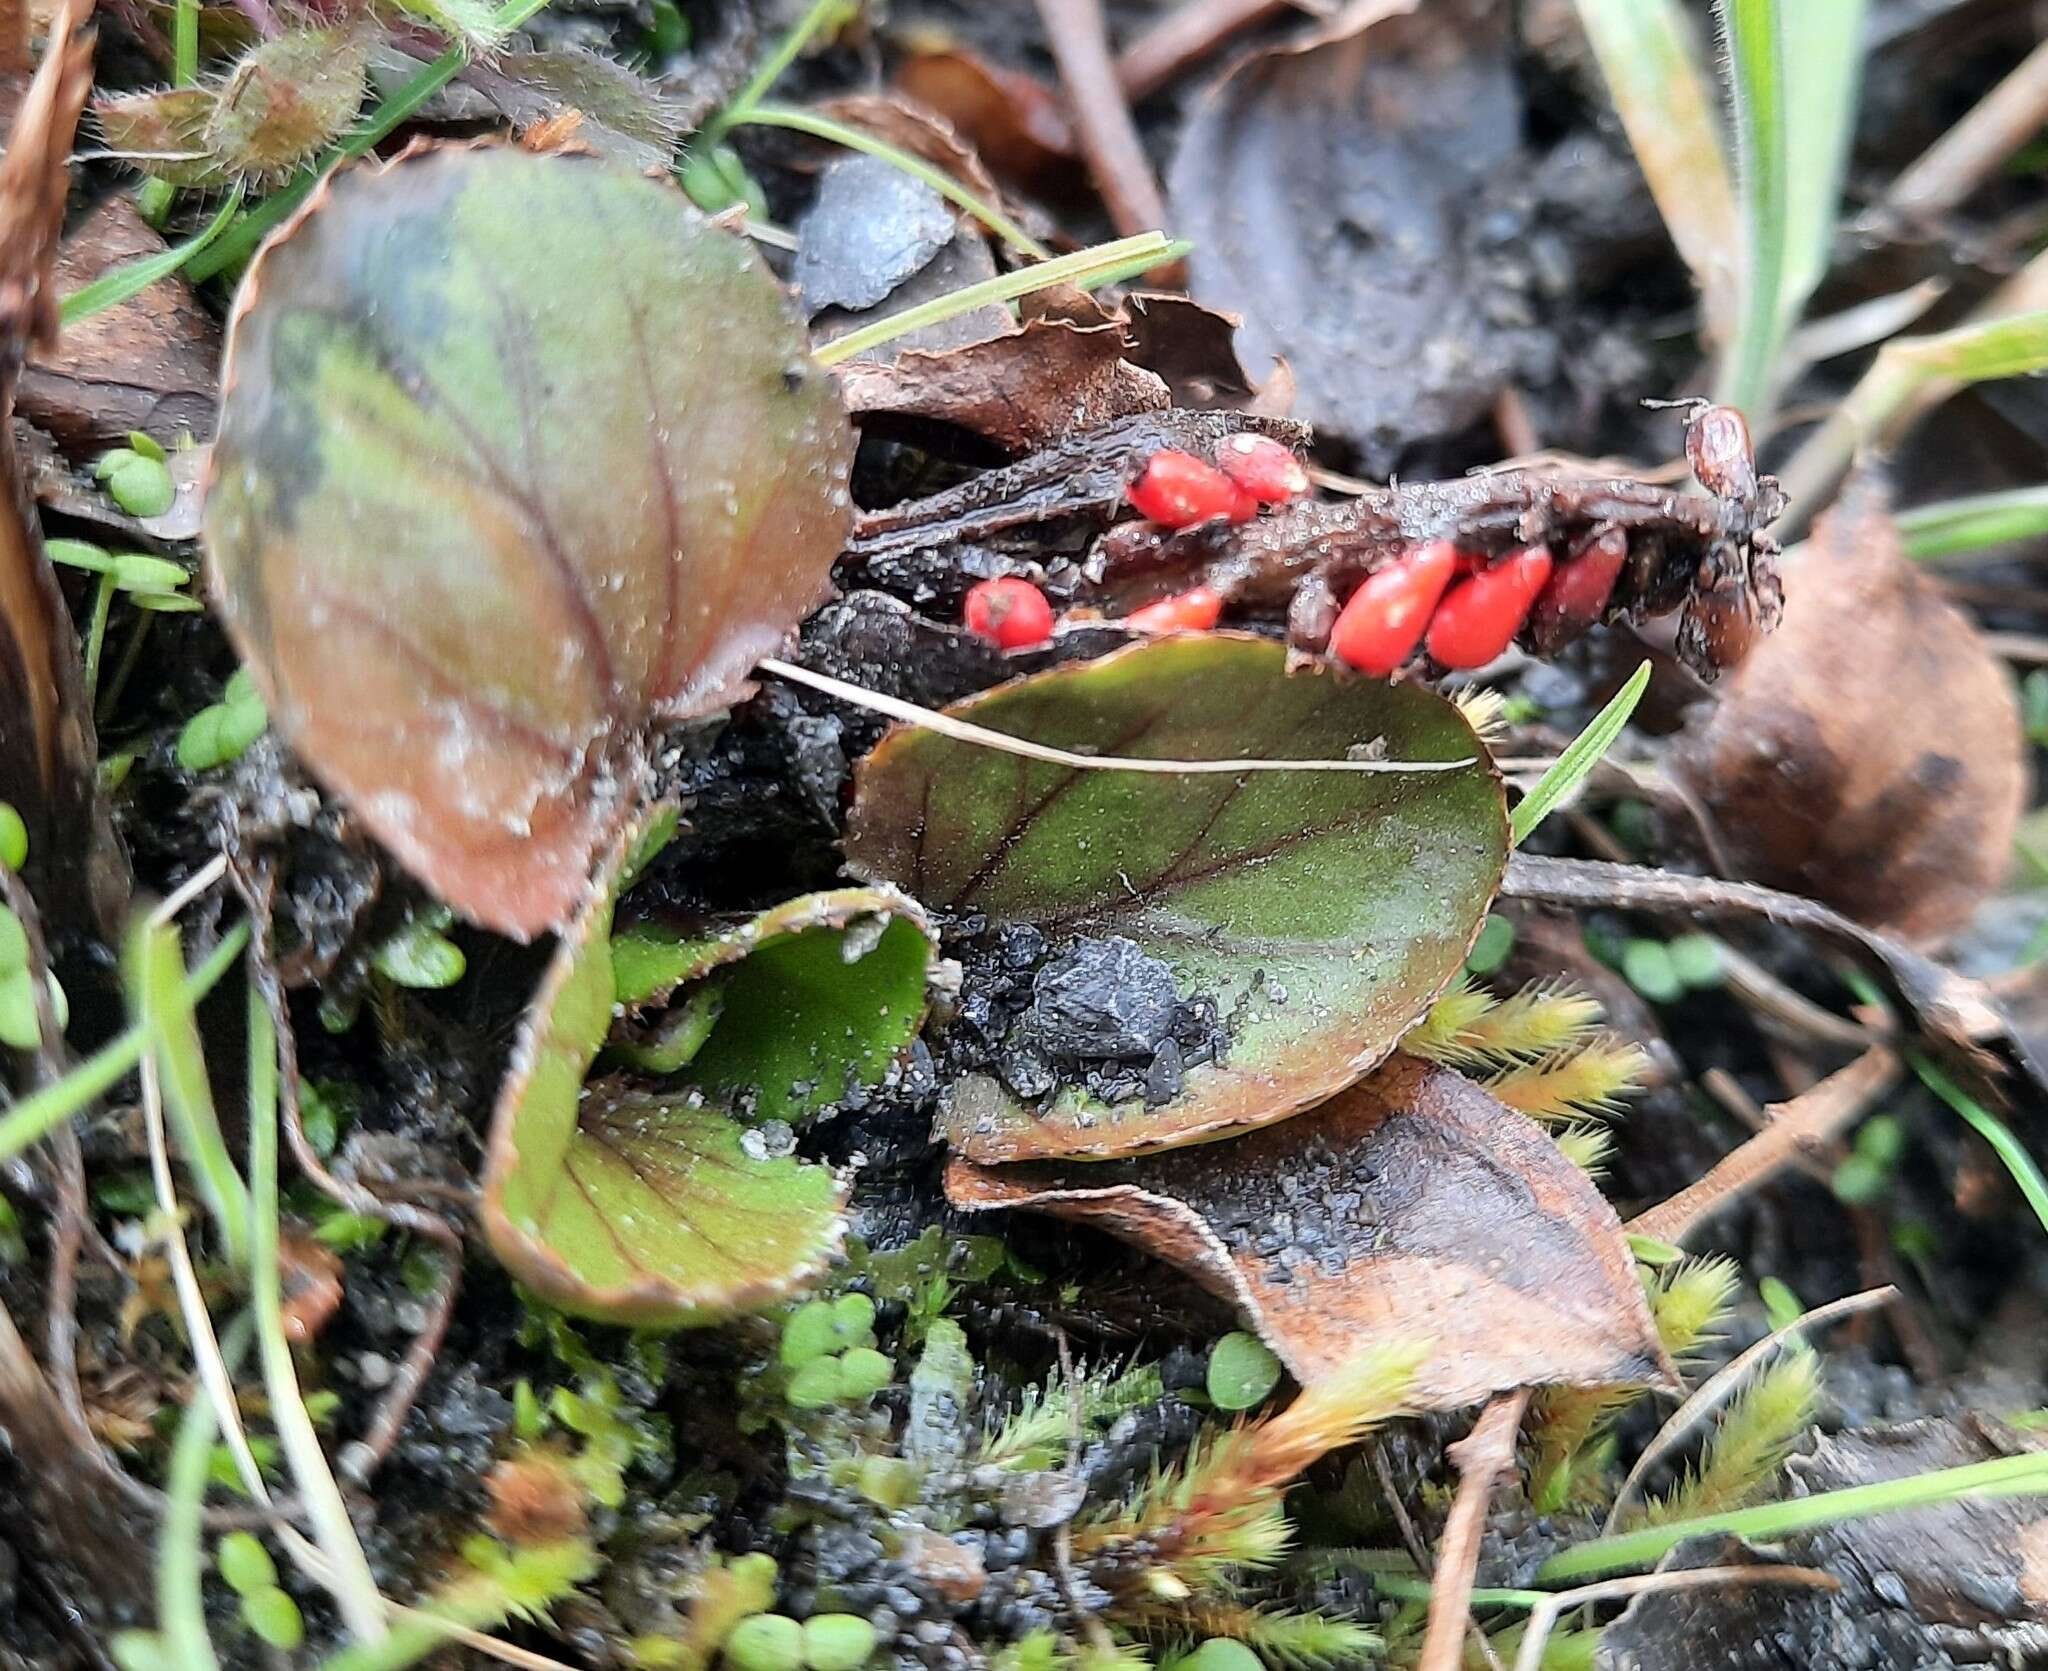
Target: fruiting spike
[1010, 611]
[1379, 627]
[1265, 469]
[1196, 610]
[1177, 490]
[1480, 617]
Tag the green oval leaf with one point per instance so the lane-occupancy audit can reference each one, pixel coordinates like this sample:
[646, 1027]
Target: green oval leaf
[1323, 912]
[651, 1205]
[519, 455]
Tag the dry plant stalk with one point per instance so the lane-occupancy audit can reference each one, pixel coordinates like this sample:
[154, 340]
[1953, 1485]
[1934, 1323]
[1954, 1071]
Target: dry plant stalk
[1797, 1128]
[1484, 1457]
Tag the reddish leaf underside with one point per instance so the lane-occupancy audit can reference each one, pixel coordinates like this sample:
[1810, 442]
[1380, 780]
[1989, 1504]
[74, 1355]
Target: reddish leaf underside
[1413, 1208]
[518, 456]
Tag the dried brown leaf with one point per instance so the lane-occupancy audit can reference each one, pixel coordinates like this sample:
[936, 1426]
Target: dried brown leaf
[1045, 380]
[1339, 194]
[147, 363]
[1017, 123]
[1413, 1207]
[1868, 754]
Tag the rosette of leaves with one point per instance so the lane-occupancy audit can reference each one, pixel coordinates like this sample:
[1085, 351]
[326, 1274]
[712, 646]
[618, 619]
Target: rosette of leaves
[520, 459]
[670, 1196]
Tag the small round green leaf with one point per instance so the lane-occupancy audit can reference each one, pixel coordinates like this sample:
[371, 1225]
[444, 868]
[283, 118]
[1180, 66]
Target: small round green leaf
[838, 1642]
[420, 956]
[1696, 960]
[134, 572]
[765, 1642]
[274, 1617]
[815, 1385]
[863, 1372]
[140, 486]
[1322, 912]
[13, 837]
[244, 1563]
[1647, 966]
[519, 458]
[810, 1333]
[13, 943]
[1242, 1371]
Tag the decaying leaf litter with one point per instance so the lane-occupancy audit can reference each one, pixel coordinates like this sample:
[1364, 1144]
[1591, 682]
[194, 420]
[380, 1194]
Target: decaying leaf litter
[756, 915]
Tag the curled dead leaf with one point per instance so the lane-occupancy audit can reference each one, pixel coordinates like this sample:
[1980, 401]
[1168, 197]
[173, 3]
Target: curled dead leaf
[1021, 391]
[1868, 754]
[1017, 123]
[1413, 1207]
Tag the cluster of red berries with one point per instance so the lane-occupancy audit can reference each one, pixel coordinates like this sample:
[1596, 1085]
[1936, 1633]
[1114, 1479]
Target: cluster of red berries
[1461, 607]
[1176, 490]
[1465, 610]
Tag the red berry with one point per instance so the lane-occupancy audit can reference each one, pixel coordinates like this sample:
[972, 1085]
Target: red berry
[1480, 616]
[1012, 612]
[1177, 490]
[1379, 627]
[1195, 610]
[1269, 472]
[1718, 448]
[1578, 591]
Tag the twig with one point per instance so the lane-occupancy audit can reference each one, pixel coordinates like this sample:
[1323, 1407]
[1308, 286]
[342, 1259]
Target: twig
[1720, 1387]
[1187, 34]
[1544, 1615]
[1950, 1006]
[363, 1458]
[1797, 1126]
[1079, 39]
[1483, 1456]
[1771, 998]
[1960, 160]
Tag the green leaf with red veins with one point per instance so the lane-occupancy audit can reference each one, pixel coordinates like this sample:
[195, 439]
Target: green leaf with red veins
[519, 457]
[1323, 912]
[648, 1203]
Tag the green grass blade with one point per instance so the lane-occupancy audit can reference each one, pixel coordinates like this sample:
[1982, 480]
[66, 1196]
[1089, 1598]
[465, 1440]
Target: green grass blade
[112, 288]
[180, 1554]
[1911, 375]
[770, 70]
[1756, 67]
[35, 1117]
[1662, 91]
[1956, 527]
[1150, 248]
[2025, 1475]
[348, 1577]
[854, 139]
[1584, 752]
[1987, 1125]
[235, 247]
[1823, 61]
[155, 971]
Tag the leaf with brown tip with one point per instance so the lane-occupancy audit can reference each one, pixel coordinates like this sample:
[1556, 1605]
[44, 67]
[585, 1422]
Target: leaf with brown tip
[1414, 1207]
[1322, 912]
[519, 455]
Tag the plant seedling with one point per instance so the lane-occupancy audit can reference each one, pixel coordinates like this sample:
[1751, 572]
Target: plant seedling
[137, 478]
